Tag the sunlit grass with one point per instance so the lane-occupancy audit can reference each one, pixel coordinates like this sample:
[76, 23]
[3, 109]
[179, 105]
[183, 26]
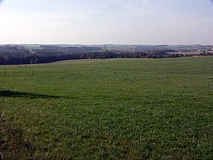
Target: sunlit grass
[109, 109]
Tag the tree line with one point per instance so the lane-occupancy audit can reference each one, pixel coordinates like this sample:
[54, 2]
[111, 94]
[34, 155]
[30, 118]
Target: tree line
[20, 55]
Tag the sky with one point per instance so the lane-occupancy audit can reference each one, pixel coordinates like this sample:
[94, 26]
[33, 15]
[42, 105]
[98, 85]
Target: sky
[153, 22]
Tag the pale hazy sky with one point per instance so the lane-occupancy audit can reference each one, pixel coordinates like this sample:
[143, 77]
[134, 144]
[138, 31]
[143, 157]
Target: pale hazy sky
[106, 21]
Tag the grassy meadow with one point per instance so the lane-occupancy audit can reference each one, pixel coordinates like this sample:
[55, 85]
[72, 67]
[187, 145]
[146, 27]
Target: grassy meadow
[108, 109]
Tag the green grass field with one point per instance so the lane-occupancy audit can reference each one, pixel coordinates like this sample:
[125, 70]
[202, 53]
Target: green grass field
[108, 109]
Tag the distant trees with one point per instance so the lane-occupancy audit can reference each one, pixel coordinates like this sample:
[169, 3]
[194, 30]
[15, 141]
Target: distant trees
[20, 55]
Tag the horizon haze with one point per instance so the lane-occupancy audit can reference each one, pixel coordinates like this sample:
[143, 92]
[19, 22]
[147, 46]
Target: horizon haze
[152, 22]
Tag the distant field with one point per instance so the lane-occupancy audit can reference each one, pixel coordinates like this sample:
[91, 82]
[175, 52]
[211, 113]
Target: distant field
[185, 53]
[108, 109]
[188, 53]
[32, 46]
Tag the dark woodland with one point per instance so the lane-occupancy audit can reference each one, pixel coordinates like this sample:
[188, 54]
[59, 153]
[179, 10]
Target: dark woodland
[17, 54]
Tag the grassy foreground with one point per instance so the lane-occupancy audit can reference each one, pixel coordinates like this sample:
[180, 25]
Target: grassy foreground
[108, 109]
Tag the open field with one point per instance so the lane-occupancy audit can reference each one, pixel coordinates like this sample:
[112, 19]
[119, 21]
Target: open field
[108, 109]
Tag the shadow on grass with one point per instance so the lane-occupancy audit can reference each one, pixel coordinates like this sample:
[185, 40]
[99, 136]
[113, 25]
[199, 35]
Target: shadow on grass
[8, 93]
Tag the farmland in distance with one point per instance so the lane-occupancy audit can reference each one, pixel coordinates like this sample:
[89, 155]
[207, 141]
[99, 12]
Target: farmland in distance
[108, 109]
